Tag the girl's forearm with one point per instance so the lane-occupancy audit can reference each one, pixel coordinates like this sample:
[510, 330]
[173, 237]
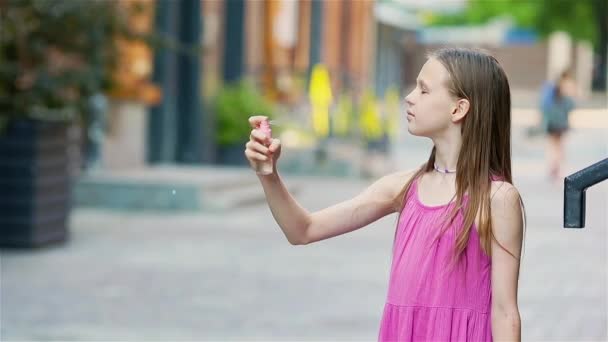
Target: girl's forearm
[291, 217]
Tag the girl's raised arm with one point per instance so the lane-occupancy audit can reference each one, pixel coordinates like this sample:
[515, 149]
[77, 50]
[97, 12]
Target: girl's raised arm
[301, 227]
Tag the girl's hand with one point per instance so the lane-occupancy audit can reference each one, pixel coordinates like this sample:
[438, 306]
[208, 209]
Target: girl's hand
[259, 147]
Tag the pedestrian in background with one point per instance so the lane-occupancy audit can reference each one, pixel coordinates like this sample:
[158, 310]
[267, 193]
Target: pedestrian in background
[556, 104]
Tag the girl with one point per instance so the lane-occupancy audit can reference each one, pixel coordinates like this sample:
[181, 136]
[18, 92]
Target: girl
[456, 251]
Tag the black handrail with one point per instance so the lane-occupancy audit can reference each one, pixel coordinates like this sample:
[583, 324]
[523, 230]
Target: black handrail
[575, 186]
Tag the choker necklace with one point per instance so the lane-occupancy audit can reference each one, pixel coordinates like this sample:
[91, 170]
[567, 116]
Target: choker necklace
[443, 171]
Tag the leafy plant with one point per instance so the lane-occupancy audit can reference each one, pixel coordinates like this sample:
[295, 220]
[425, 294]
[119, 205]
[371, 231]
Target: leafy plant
[233, 106]
[582, 19]
[55, 54]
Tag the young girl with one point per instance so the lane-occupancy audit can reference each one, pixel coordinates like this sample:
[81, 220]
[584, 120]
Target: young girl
[455, 266]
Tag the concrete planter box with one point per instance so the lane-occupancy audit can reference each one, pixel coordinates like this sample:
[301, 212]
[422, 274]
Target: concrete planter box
[34, 183]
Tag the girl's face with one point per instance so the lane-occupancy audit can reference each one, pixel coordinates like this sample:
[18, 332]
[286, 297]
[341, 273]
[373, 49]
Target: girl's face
[430, 105]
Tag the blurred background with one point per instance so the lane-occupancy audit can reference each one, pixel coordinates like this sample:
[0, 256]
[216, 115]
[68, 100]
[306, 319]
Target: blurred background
[128, 210]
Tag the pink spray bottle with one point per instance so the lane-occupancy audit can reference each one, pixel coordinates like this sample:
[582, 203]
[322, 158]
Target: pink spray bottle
[265, 167]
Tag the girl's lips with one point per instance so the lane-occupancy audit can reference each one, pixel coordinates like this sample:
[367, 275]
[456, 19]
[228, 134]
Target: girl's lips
[410, 113]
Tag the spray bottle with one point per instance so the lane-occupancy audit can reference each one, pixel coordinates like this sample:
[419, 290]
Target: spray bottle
[266, 167]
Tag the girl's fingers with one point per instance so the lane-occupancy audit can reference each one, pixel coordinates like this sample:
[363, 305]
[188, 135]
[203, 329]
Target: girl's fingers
[276, 143]
[259, 136]
[257, 147]
[252, 155]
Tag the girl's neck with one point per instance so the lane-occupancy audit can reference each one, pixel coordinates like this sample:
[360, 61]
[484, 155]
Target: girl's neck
[447, 152]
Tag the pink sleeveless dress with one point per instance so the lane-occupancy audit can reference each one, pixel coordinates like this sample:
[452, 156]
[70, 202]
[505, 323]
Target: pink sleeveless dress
[427, 301]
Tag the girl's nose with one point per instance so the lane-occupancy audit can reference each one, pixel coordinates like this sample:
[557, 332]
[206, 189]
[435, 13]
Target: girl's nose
[408, 100]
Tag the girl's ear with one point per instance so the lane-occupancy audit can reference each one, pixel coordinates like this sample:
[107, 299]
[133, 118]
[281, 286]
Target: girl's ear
[460, 110]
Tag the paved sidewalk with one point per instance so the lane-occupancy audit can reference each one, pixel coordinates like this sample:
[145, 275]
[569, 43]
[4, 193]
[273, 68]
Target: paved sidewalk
[141, 277]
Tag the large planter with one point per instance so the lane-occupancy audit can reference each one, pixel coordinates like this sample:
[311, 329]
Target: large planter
[34, 183]
[233, 155]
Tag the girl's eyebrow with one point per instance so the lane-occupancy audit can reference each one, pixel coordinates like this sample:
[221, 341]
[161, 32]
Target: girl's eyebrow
[422, 83]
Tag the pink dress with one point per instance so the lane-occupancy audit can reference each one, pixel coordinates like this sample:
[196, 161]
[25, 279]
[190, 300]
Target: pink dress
[426, 300]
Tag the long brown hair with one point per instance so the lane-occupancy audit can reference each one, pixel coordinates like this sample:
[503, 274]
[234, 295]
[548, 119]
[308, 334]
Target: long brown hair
[486, 140]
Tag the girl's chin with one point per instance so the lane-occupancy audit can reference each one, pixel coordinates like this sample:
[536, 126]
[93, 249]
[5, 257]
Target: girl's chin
[413, 131]
[410, 129]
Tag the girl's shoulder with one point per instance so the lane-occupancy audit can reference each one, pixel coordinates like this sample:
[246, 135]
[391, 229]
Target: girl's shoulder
[392, 184]
[501, 187]
[504, 196]
[399, 178]
[504, 200]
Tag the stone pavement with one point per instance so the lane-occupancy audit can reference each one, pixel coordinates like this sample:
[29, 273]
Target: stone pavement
[218, 276]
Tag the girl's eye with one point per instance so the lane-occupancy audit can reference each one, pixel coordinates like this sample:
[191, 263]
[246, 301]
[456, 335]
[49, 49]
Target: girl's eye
[424, 91]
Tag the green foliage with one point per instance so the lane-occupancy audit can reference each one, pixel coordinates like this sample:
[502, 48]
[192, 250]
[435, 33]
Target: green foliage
[55, 54]
[578, 18]
[233, 106]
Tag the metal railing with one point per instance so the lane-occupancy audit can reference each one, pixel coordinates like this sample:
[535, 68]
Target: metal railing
[575, 186]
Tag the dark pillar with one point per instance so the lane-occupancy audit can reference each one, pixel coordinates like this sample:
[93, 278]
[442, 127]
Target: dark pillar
[162, 124]
[234, 42]
[189, 99]
[601, 8]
